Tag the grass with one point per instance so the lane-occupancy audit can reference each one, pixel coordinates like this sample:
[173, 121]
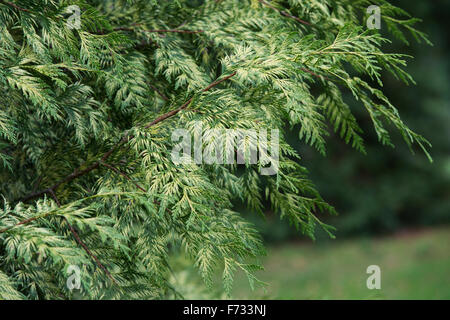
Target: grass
[414, 265]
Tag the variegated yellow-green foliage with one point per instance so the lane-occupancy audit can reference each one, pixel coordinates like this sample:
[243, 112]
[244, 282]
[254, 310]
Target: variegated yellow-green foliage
[86, 117]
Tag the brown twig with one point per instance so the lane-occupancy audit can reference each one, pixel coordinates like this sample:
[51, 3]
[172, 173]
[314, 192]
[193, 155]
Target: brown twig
[12, 4]
[174, 31]
[75, 174]
[162, 95]
[26, 221]
[81, 243]
[184, 106]
[124, 175]
[89, 252]
[315, 74]
[286, 14]
[153, 30]
[53, 194]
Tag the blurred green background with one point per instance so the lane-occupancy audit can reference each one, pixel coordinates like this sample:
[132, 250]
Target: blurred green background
[394, 206]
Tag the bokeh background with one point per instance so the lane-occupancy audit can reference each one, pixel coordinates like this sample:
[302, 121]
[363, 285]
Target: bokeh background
[394, 206]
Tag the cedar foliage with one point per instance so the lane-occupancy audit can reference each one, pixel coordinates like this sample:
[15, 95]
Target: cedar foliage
[86, 117]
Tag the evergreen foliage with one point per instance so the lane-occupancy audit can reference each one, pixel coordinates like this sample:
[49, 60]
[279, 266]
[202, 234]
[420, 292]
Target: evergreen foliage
[87, 115]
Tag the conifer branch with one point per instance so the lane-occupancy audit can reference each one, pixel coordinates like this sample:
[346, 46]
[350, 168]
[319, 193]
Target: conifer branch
[126, 138]
[67, 96]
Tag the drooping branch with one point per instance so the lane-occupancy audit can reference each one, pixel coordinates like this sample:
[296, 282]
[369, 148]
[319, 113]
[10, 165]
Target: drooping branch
[78, 172]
